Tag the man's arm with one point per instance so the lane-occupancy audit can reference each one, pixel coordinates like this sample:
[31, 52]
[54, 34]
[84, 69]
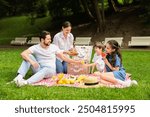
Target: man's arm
[25, 55]
[69, 60]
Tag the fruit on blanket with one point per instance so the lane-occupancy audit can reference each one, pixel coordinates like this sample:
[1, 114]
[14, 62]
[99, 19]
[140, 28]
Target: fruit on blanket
[82, 62]
[54, 77]
[72, 77]
[60, 82]
[72, 81]
[60, 76]
[64, 81]
[81, 78]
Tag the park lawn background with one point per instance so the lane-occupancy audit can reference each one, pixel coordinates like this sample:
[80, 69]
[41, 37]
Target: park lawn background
[136, 62]
[19, 26]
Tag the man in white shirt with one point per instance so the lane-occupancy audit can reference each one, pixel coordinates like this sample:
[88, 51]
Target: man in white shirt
[41, 58]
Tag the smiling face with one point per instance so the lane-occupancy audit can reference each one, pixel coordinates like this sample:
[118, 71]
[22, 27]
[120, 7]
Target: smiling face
[109, 49]
[98, 50]
[47, 40]
[66, 30]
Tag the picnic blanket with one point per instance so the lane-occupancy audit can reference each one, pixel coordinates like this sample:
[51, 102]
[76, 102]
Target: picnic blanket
[54, 81]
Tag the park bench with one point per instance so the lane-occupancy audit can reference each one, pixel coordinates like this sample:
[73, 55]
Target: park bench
[19, 41]
[139, 41]
[82, 41]
[118, 39]
[33, 41]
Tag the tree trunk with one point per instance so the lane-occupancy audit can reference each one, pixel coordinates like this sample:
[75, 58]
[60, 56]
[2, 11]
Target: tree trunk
[103, 15]
[114, 5]
[117, 3]
[98, 16]
[111, 8]
[86, 8]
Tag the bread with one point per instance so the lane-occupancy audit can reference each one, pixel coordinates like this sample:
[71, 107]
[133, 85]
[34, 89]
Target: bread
[73, 53]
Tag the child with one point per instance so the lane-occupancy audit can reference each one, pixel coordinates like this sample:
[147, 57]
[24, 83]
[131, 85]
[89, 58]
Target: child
[97, 59]
[115, 73]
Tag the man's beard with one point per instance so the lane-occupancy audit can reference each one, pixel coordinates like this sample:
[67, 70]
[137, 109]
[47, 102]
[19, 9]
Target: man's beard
[46, 44]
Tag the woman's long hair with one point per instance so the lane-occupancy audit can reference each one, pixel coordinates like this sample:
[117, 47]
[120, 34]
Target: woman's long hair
[114, 45]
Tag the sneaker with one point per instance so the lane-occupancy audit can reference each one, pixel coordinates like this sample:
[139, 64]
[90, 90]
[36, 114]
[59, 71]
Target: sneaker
[19, 77]
[127, 83]
[134, 82]
[21, 82]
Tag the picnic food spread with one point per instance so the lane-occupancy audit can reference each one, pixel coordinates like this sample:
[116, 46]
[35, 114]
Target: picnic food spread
[72, 79]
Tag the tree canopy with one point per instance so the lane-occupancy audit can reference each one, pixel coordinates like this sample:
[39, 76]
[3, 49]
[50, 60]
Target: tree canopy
[94, 9]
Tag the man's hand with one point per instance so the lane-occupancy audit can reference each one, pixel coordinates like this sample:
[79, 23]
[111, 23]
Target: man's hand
[35, 64]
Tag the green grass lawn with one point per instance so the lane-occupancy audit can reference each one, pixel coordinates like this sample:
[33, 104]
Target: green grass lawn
[12, 27]
[135, 62]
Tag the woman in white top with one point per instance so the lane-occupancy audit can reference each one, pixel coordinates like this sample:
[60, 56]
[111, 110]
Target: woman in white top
[64, 40]
[97, 59]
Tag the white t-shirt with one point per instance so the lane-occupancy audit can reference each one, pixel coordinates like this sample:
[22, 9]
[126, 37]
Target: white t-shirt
[62, 42]
[45, 57]
[100, 64]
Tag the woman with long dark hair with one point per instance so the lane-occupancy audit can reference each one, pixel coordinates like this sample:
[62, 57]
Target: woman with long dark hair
[115, 72]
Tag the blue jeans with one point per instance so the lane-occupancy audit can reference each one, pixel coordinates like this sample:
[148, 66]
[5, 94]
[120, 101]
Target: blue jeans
[61, 67]
[40, 73]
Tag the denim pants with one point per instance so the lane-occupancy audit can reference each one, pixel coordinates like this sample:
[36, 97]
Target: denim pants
[40, 73]
[61, 67]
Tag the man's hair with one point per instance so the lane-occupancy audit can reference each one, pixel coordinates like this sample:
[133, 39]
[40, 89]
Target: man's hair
[43, 34]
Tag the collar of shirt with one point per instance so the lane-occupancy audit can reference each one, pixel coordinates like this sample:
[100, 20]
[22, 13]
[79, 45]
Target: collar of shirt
[62, 36]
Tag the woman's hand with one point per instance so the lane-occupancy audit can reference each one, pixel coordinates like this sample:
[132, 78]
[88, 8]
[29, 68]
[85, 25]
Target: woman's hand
[71, 52]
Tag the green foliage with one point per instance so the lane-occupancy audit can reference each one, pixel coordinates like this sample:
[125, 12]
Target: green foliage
[41, 8]
[20, 26]
[61, 8]
[146, 15]
[125, 1]
[136, 62]
[3, 8]
[20, 7]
